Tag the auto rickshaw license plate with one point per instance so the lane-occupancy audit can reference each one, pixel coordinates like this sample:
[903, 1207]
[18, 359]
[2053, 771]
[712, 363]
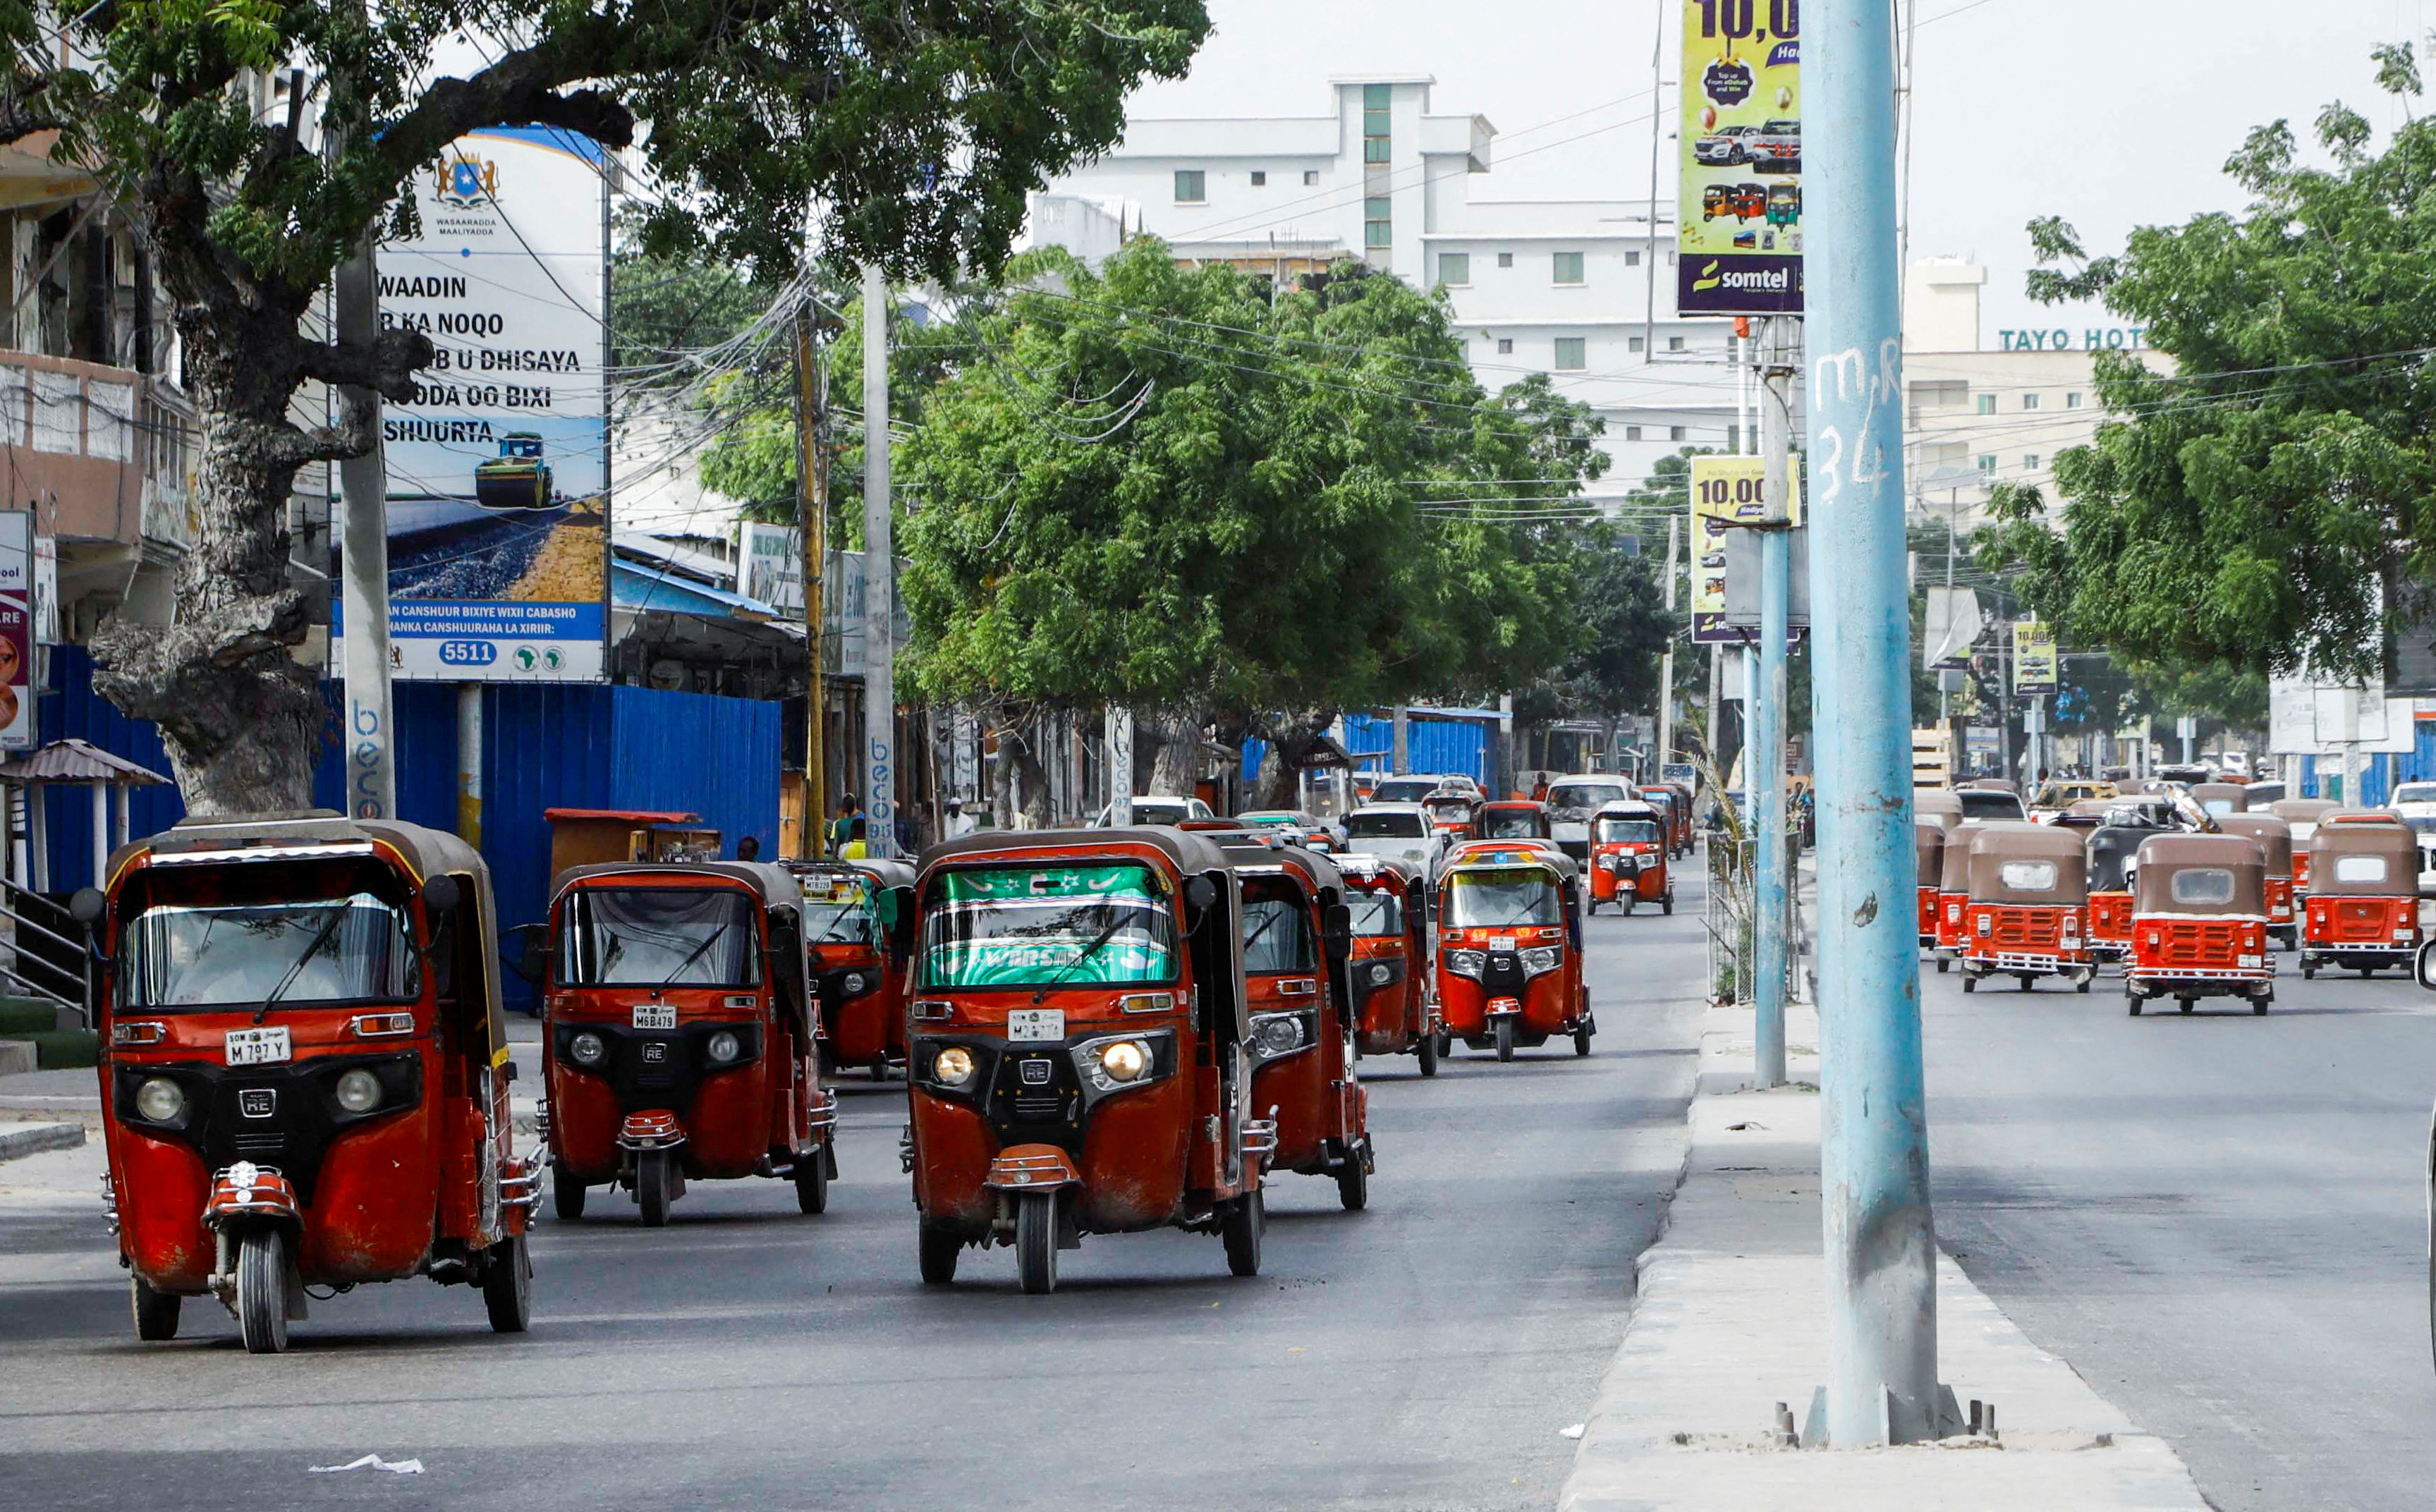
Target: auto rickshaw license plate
[257, 1046]
[1036, 1023]
[656, 1015]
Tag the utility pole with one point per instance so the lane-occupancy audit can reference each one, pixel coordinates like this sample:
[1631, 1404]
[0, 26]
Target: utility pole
[1401, 758]
[363, 540]
[1666, 663]
[813, 513]
[1881, 1238]
[878, 576]
[1771, 944]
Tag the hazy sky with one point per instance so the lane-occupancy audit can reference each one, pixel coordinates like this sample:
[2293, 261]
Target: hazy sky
[2111, 114]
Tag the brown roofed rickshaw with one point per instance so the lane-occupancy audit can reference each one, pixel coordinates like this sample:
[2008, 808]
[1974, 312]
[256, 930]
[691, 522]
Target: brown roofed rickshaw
[1928, 848]
[1077, 1059]
[1953, 890]
[2199, 922]
[1936, 806]
[1514, 819]
[2220, 798]
[304, 1069]
[2363, 907]
[2029, 905]
[2302, 814]
[2275, 838]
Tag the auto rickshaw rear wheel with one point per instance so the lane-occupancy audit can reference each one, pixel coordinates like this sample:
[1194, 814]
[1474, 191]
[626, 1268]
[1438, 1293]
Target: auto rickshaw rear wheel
[2086, 978]
[262, 1290]
[1582, 1038]
[1666, 904]
[1941, 964]
[1036, 1242]
[566, 1193]
[1353, 1182]
[1238, 1229]
[653, 1180]
[2187, 1003]
[940, 1246]
[1428, 1051]
[812, 1182]
[507, 1286]
[1969, 982]
[1505, 1038]
[156, 1312]
[1446, 1043]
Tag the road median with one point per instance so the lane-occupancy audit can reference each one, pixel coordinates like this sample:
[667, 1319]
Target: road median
[1730, 1320]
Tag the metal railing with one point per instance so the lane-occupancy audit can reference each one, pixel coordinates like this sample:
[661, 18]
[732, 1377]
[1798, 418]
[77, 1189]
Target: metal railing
[37, 935]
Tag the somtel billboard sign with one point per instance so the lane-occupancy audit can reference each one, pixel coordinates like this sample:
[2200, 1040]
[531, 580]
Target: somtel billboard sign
[1738, 245]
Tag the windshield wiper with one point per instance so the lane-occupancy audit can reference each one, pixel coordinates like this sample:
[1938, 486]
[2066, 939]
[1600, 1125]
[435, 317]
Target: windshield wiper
[296, 968]
[1076, 965]
[707, 941]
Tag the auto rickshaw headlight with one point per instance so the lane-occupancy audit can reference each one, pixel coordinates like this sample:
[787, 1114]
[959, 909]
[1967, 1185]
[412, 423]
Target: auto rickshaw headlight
[725, 1046]
[359, 1091]
[1379, 972]
[1466, 962]
[852, 982]
[160, 1100]
[953, 1066]
[1126, 1060]
[586, 1048]
[1540, 958]
[1278, 1033]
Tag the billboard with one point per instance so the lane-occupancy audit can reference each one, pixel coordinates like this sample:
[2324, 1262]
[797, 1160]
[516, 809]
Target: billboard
[498, 499]
[1725, 490]
[1738, 207]
[770, 567]
[2034, 658]
[17, 629]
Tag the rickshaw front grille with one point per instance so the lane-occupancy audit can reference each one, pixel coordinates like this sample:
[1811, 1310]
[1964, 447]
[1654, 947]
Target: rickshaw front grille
[267, 1145]
[2202, 945]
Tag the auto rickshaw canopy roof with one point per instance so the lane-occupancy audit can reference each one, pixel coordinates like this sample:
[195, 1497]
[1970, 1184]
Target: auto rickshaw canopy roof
[886, 873]
[2232, 792]
[1191, 854]
[2302, 810]
[1318, 873]
[1928, 846]
[1483, 855]
[774, 884]
[2273, 836]
[2395, 842]
[1995, 880]
[1629, 808]
[2111, 850]
[2162, 857]
[1936, 804]
[1364, 870]
[1954, 863]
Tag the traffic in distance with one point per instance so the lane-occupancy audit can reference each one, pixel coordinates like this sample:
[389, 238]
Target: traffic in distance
[1142, 1023]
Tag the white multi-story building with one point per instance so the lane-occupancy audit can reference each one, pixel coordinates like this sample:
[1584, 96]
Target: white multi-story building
[1580, 290]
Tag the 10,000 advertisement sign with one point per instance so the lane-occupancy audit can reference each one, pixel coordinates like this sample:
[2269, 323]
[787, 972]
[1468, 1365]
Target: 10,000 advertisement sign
[499, 507]
[1739, 205]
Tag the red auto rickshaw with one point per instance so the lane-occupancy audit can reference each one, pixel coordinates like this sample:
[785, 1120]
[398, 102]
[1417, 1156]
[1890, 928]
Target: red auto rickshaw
[1952, 891]
[2028, 907]
[1513, 818]
[2113, 850]
[1928, 852]
[1297, 942]
[1509, 949]
[1079, 1053]
[2274, 837]
[1396, 1014]
[305, 1069]
[858, 965]
[679, 1043]
[2363, 907]
[1628, 858]
[1686, 837]
[2199, 922]
[2218, 799]
[1456, 815]
[2302, 814]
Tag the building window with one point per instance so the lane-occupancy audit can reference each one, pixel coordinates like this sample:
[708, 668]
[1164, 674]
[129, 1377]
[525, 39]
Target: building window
[1673, 433]
[1375, 100]
[1670, 257]
[1632, 259]
[1568, 268]
[2030, 461]
[1310, 176]
[1734, 439]
[1570, 358]
[1674, 343]
[1377, 221]
[1987, 403]
[1635, 345]
[1987, 466]
[2072, 401]
[1505, 259]
[1259, 179]
[1190, 186]
[2029, 401]
[1632, 432]
[1455, 267]
[1506, 346]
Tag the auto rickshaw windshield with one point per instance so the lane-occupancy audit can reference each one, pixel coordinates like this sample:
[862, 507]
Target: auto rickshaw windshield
[1376, 915]
[349, 950]
[1032, 926]
[837, 910]
[659, 936]
[1276, 928]
[1499, 897]
[1628, 832]
[1512, 823]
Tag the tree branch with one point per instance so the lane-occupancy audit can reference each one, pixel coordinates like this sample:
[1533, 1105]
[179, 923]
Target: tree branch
[521, 89]
[387, 367]
[21, 111]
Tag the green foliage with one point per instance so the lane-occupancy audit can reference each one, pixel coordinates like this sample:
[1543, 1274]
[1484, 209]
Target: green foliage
[1160, 485]
[2246, 508]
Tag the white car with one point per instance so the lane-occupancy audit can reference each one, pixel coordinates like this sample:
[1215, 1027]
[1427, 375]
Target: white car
[1415, 787]
[1156, 810]
[2416, 803]
[1571, 801]
[1399, 829]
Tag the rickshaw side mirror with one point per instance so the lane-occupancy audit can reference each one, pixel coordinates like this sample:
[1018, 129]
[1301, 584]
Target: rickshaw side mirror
[531, 959]
[2427, 968]
[1200, 894]
[1336, 927]
[88, 907]
[442, 894]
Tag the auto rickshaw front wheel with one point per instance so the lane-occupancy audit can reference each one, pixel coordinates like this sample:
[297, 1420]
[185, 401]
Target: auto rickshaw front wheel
[1427, 1049]
[941, 1247]
[1505, 1038]
[812, 1182]
[1036, 1242]
[156, 1312]
[654, 1185]
[566, 1193]
[507, 1286]
[1666, 904]
[1353, 1182]
[1582, 1037]
[1238, 1229]
[262, 1289]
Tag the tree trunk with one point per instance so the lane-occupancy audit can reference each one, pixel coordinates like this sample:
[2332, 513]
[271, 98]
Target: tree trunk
[1291, 739]
[1176, 767]
[1001, 781]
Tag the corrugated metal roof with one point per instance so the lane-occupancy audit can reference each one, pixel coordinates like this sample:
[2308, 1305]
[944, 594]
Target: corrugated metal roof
[74, 760]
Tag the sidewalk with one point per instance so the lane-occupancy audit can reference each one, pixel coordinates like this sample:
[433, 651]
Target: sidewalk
[1730, 1320]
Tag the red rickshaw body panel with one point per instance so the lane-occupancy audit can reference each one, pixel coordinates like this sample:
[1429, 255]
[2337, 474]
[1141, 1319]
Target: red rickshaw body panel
[2025, 936]
[1928, 906]
[870, 1025]
[2185, 949]
[1394, 1014]
[2352, 924]
[1299, 1092]
[1950, 908]
[358, 1226]
[2279, 900]
[2110, 919]
[1550, 1002]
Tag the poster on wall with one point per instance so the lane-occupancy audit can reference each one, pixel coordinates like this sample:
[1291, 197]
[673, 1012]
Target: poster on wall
[2034, 658]
[1738, 211]
[498, 499]
[16, 629]
[1725, 491]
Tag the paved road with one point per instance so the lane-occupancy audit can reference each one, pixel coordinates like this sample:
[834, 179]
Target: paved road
[2219, 1219]
[1424, 1354]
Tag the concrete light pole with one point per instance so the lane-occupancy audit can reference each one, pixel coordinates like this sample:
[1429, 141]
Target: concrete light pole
[1880, 1243]
[879, 580]
[1771, 944]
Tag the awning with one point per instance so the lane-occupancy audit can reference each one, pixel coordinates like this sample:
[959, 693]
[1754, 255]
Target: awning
[77, 762]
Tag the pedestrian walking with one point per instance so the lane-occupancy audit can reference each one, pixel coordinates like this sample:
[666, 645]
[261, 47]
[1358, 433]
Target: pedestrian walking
[849, 811]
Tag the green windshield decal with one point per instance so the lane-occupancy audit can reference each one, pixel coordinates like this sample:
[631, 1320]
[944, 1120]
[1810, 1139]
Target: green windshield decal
[1026, 926]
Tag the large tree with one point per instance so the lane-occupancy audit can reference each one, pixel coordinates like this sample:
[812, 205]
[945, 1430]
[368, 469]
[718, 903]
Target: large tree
[1186, 490]
[907, 132]
[2272, 498]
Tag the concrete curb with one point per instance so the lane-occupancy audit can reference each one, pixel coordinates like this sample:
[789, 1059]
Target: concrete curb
[35, 1138]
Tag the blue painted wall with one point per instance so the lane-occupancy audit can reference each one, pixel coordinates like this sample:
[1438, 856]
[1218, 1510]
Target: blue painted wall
[1435, 745]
